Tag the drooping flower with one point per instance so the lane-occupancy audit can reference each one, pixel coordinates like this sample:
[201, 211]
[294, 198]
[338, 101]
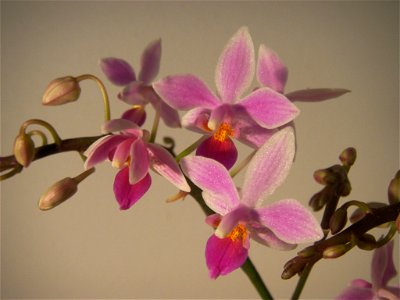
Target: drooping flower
[239, 214]
[131, 152]
[138, 90]
[251, 120]
[382, 271]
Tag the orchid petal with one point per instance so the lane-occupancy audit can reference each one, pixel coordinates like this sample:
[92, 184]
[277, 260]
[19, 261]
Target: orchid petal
[389, 292]
[224, 255]
[315, 95]
[164, 164]
[117, 70]
[119, 125]
[184, 92]
[128, 194]
[213, 220]
[135, 93]
[290, 221]
[150, 62]
[224, 152]
[266, 237]
[361, 283]
[235, 66]
[269, 167]
[382, 268]
[220, 114]
[99, 150]
[169, 115]
[241, 213]
[211, 176]
[271, 72]
[121, 153]
[356, 293]
[136, 114]
[269, 108]
[196, 120]
[140, 161]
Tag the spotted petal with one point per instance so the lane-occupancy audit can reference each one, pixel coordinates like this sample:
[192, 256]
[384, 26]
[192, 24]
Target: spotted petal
[212, 177]
[268, 108]
[117, 70]
[184, 92]
[290, 222]
[128, 194]
[164, 164]
[235, 66]
[224, 255]
[269, 167]
[271, 72]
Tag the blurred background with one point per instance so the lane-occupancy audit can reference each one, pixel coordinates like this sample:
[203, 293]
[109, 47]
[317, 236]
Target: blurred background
[87, 247]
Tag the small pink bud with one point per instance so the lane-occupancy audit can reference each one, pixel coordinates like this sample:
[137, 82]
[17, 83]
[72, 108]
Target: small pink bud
[58, 193]
[61, 90]
[24, 149]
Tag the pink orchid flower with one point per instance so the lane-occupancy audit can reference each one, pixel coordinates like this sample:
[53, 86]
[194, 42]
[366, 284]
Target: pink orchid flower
[138, 91]
[251, 120]
[239, 215]
[133, 155]
[382, 270]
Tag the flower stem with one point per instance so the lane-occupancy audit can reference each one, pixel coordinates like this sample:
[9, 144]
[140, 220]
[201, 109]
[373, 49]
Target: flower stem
[251, 272]
[46, 125]
[242, 164]
[190, 149]
[302, 281]
[103, 90]
[154, 129]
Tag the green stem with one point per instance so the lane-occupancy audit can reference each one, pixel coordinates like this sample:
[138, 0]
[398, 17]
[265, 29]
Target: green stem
[46, 125]
[106, 102]
[302, 281]
[155, 127]
[190, 149]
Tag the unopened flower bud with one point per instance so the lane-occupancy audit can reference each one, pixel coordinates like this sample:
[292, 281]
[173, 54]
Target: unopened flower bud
[336, 251]
[307, 252]
[394, 189]
[24, 149]
[366, 242]
[338, 220]
[61, 90]
[319, 199]
[293, 267]
[348, 156]
[360, 213]
[58, 193]
[324, 176]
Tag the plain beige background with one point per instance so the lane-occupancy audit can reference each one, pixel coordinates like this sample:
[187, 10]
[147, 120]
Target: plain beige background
[87, 248]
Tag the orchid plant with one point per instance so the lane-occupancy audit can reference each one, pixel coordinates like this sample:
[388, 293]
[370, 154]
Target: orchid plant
[263, 119]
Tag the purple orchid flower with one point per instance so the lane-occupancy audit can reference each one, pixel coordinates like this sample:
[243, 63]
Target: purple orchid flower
[138, 91]
[251, 120]
[280, 225]
[382, 270]
[130, 152]
[271, 72]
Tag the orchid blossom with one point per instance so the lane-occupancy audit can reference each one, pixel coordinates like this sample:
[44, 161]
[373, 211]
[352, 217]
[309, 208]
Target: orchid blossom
[382, 270]
[138, 91]
[280, 225]
[130, 152]
[251, 120]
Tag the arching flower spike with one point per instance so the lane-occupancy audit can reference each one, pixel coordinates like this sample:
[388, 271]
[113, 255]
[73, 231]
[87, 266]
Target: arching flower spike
[239, 216]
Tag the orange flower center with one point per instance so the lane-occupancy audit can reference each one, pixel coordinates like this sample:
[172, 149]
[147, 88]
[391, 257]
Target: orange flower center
[223, 132]
[239, 232]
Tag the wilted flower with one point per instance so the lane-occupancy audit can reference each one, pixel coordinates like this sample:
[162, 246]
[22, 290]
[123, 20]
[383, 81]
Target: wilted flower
[382, 270]
[130, 152]
[138, 91]
[251, 120]
[239, 216]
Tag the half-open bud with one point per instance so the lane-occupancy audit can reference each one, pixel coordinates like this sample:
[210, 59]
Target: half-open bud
[24, 149]
[61, 90]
